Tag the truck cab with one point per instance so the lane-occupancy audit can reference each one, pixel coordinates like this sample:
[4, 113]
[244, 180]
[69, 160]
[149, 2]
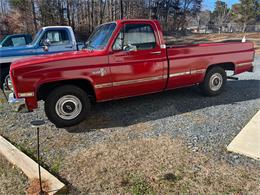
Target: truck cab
[48, 40]
[16, 40]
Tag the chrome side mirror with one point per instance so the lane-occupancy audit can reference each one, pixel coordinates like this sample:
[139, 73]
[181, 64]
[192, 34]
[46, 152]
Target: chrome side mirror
[46, 43]
[130, 47]
[85, 46]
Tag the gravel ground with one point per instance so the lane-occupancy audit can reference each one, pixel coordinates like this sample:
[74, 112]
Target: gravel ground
[205, 124]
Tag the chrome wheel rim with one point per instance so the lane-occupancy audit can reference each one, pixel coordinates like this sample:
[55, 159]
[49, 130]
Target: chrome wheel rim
[68, 107]
[215, 82]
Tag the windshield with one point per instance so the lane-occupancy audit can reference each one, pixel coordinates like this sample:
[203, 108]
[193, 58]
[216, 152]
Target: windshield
[36, 36]
[3, 38]
[99, 38]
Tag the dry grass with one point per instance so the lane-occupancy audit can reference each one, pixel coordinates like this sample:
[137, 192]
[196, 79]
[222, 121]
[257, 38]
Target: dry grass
[200, 38]
[12, 180]
[154, 166]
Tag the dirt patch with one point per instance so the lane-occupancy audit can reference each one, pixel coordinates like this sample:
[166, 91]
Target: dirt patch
[12, 180]
[154, 166]
[34, 188]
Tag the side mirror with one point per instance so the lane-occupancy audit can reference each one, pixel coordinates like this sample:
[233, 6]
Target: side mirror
[85, 45]
[46, 43]
[130, 47]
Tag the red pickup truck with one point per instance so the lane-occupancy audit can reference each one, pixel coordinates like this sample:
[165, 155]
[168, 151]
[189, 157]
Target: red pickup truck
[122, 59]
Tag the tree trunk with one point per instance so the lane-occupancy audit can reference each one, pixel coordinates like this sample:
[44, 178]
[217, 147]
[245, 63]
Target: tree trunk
[34, 16]
[68, 12]
[244, 27]
[92, 15]
[121, 9]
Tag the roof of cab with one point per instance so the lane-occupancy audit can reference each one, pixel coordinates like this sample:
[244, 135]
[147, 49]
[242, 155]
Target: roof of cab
[46, 27]
[134, 20]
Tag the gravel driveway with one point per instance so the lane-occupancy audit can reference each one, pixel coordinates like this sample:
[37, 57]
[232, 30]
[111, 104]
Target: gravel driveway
[206, 124]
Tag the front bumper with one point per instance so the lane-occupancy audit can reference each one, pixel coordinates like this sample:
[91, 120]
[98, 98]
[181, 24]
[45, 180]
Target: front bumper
[17, 105]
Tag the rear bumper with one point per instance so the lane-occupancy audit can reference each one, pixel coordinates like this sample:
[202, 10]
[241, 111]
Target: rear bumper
[252, 69]
[244, 67]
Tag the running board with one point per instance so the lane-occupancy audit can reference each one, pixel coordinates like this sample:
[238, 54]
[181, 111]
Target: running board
[233, 78]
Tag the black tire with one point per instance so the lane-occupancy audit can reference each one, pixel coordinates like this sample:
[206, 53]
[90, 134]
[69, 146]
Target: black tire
[214, 81]
[72, 97]
[4, 71]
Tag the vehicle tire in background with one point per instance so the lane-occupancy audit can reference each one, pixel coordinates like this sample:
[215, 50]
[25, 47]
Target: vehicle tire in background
[67, 105]
[214, 81]
[4, 71]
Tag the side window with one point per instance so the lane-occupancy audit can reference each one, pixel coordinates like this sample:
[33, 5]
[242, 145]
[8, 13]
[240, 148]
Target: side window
[139, 35]
[17, 41]
[56, 37]
[118, 45]
[8, 43]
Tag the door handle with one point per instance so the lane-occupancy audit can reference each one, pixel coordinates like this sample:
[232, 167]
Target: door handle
[156, 52]
[69, 46]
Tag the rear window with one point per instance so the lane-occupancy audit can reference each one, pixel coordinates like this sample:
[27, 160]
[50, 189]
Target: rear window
[140, 35]
[18, 41]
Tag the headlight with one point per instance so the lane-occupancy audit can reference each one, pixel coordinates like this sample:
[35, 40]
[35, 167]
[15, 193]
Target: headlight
[9, 83]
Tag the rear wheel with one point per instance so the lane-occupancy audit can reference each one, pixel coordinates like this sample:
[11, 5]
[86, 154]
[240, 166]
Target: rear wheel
[67, 105]
[214, 81]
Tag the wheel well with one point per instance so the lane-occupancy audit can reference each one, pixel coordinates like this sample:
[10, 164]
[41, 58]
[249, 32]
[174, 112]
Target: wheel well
[225, 66]
[4, 71]
[85, 85]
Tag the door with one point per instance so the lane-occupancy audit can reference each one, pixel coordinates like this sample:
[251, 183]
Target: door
[138, 63]
[59, 41]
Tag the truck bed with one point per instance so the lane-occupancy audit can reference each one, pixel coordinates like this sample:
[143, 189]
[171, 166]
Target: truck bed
[188, 63]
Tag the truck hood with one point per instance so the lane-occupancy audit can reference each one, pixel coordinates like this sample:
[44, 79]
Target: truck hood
[50, 58]
[16, 51]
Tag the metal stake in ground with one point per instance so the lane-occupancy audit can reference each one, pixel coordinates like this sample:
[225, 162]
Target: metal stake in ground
[38, 124]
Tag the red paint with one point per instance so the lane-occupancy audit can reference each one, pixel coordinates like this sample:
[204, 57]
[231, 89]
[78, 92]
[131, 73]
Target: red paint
[121, 66]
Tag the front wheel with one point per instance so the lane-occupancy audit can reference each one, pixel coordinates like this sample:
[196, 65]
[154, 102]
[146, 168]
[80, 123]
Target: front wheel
[214, 81]
[67, 105]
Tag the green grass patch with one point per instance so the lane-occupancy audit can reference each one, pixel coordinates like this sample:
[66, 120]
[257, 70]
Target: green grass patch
[139, 186]
[56, 165]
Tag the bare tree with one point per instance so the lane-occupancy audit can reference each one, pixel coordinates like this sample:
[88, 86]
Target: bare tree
[221, 14]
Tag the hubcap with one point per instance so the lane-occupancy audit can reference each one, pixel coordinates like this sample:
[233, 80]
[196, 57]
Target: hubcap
[68, 107]
[216, 81]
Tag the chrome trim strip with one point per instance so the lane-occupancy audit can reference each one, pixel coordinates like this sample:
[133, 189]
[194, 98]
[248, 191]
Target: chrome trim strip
[114, 84]
[138, 80]
[179, 74]
[200, 71]
[244, 64]
[105, 85]
[119, 83]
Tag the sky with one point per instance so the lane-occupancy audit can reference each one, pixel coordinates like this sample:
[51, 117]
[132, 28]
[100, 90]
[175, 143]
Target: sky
[209, 4]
